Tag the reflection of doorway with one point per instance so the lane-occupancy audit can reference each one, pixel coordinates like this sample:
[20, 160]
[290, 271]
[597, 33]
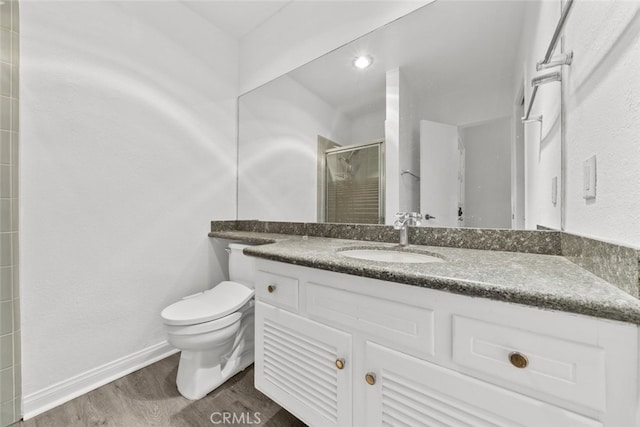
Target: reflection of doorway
[440, 162]
[487, 173]
[517, 167]
[465, 173]
[461, 168]
[354, 184]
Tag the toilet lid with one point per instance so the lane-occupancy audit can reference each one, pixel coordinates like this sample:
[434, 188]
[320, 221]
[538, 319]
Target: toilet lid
[227, 297]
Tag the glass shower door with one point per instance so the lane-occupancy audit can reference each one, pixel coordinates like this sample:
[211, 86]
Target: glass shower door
[355, 184]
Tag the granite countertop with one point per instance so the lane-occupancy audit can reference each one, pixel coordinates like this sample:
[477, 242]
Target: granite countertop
[544, 281]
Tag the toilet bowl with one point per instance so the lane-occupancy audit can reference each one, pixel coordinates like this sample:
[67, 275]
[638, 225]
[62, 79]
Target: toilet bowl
[214, 329]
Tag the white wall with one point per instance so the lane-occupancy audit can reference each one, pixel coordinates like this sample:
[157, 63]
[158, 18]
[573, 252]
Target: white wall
[280, 124]
[128, 151]
[367, 127]
[602, 93]
[488, 174]
[469, 103]
[542, 142]
[602, 117]
[310, 29]
[409, 155]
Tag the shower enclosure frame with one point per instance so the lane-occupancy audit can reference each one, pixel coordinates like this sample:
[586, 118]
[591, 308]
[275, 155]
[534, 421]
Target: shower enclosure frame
[381, 179]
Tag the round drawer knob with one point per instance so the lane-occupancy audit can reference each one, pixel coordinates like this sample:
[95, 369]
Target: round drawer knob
[340, 363]
[518, 359]
[271, 288]
[370, 378]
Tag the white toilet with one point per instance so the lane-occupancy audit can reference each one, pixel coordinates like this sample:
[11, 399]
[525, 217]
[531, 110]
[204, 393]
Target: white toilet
[214, 329]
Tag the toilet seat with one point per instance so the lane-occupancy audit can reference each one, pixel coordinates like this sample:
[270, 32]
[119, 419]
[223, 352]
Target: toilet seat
[203, 328]
[224, 299]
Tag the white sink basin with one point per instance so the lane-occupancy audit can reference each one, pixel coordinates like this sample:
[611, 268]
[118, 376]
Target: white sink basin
[389, 256]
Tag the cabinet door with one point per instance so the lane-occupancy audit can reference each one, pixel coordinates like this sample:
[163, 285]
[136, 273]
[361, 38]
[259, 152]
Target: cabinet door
[407, 391]
[296, 365]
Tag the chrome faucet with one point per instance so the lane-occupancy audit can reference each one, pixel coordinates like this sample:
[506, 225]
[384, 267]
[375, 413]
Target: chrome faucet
[404, 220]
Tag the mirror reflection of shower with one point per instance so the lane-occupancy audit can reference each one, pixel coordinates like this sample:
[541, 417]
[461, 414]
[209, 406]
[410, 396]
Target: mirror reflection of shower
[347, 164]
[354, 183]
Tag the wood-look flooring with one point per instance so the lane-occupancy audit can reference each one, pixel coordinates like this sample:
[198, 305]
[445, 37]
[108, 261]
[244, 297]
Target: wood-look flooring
[149, 397]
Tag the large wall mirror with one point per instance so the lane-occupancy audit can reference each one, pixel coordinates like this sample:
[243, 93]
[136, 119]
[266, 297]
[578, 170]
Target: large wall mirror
[432, 125]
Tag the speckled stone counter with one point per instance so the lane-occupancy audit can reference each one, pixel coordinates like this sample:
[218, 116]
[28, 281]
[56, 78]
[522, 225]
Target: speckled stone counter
[529, 241]
[545, 281]
[616, 264]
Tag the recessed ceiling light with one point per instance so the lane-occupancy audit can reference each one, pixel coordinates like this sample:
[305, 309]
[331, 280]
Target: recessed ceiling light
[363, 61]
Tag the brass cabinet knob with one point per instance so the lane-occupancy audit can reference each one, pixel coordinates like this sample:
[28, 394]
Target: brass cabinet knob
[370, 378]
[518, 359]
[271, 288]
[340, 363]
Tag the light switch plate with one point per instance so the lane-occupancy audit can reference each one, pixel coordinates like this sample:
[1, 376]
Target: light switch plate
[590, 178]
[554, 190]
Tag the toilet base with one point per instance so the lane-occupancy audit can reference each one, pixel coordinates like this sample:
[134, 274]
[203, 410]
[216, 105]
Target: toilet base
[202, 371]
[197, 378]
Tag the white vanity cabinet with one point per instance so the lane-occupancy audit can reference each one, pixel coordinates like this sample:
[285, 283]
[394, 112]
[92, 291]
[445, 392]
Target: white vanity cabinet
[336, 349]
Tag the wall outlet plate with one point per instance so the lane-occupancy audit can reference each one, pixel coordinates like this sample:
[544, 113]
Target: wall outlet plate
[589, 175]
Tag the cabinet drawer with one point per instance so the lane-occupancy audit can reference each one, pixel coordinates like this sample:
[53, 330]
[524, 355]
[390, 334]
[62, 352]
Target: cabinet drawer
[555, 367]
[276, 289]
[403, 326]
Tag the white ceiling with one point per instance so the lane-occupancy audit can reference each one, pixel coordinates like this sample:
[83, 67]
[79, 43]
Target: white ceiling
[238, 17]
[440, 47]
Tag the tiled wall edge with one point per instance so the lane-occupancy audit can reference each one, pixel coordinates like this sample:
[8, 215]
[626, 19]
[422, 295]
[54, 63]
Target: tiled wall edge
[10, 375]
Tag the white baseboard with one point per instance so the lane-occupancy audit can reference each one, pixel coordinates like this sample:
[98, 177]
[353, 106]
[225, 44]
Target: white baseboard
[64, 391]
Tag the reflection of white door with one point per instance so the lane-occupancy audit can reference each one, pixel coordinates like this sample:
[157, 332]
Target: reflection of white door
[439, 168]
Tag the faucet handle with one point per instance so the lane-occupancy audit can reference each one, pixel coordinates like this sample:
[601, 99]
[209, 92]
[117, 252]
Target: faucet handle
[406, 215]
[408, 218]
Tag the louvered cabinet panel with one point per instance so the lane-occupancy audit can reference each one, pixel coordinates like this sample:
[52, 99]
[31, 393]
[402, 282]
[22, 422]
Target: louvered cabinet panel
[296, 366]
[412, 392]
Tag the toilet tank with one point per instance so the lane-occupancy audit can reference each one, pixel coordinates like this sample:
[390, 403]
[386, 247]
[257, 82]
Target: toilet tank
[241, 267]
